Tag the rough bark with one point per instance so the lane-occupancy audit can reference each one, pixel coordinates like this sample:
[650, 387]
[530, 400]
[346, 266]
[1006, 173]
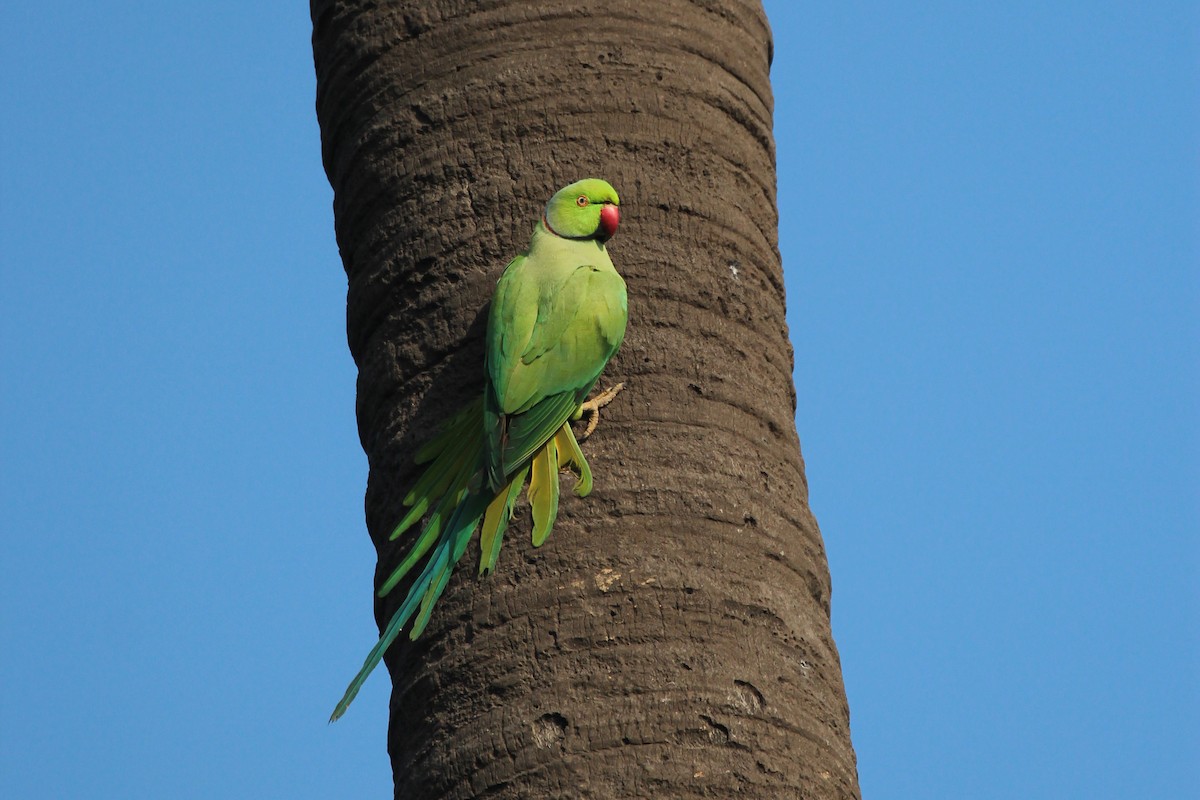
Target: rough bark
[672, 638]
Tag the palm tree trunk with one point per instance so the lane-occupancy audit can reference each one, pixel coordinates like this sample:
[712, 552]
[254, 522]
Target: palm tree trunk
[672, 638]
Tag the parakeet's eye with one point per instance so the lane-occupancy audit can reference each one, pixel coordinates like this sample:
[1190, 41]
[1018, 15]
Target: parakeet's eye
[581, 201]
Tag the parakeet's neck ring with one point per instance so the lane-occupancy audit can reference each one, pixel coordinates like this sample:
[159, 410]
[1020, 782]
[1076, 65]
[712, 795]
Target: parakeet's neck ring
[546, 222]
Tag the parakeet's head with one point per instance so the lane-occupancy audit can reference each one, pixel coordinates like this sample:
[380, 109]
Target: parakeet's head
[586, 209]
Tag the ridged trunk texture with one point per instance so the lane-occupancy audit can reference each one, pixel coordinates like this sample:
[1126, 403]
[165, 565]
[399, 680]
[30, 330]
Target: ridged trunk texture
[672, 638]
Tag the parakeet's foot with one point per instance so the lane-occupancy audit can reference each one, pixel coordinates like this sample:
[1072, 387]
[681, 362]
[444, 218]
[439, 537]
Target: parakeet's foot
[591, 409]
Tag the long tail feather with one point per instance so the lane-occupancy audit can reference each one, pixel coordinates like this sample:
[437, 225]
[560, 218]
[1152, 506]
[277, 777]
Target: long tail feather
[450, 550]
[425, 591]
[565, 440]
[456, 453]
[451, 467]
[496, 520]
[402, 615]
[460, 427]
[457, 509]
[543, 491]
[429, 535]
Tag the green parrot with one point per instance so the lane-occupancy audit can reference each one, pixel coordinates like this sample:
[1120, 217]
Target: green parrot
[557, 317]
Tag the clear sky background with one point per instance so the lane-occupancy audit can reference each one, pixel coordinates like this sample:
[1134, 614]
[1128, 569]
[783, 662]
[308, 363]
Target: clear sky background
[989, 223]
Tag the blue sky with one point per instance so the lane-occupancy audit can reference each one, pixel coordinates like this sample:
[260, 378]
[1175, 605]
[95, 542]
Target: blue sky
[989, 228]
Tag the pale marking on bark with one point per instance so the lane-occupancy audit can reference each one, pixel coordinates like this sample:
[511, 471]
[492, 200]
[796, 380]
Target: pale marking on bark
[606, 578]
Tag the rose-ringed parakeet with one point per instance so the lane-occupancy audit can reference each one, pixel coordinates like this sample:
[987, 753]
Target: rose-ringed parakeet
[558, 315]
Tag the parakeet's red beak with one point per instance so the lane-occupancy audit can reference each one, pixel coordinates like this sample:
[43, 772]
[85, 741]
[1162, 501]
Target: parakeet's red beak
[610, 217]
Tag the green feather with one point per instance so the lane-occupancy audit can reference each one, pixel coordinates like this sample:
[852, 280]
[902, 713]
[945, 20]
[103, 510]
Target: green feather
[450, 550]
[565, 439]
[429, 535]
[399, 619]
[529, 432]
[454, 452]
[455, 431]
[424, 592]
[495, 522]
[543, 491]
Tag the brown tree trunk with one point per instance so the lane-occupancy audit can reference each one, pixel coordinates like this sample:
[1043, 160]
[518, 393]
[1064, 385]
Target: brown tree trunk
[672, 637]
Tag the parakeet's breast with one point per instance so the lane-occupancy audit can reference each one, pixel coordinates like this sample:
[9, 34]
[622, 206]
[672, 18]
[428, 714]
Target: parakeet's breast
[558, 316]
